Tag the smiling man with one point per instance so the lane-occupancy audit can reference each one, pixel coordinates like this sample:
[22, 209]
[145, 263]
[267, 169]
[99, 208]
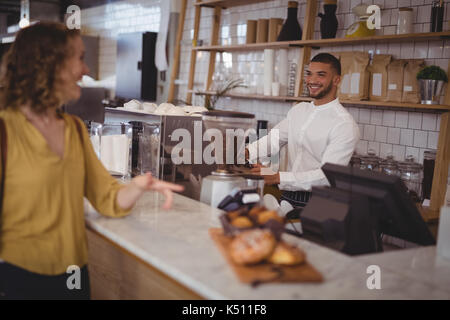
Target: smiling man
[316, 132]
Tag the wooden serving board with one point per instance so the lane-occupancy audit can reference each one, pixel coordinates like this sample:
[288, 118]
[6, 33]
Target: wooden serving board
[264, 272]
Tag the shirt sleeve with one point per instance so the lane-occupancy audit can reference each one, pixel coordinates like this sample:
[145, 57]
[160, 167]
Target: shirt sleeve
[343, 140]
[270, 144]
[100, 187]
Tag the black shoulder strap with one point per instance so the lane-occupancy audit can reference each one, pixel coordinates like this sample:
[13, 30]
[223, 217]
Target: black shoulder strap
[3, 147]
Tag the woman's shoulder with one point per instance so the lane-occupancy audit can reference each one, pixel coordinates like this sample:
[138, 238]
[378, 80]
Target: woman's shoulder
[8, 114]
[75, 123]
[73, 120]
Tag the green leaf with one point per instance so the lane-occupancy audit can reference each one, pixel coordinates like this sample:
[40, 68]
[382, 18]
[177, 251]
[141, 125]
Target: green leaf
[432, 73]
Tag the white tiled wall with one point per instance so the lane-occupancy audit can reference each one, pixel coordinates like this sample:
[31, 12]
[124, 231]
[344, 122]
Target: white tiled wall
[397, 131]
[400, 133]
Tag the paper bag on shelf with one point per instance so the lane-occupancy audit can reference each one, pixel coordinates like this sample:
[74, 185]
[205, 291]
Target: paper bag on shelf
[344, 85]
[379, 77]
[411, 91]
[395, 80]
[359, 76]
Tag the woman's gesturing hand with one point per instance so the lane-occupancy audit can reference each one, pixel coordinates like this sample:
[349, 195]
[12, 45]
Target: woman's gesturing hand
[127, 196]
[146, 183]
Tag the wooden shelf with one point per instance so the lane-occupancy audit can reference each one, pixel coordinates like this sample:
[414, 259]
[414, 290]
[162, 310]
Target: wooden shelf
[224, 4]
[427, 36]
[399, 105]
[253, 96]
[293, 99]
[249, 46]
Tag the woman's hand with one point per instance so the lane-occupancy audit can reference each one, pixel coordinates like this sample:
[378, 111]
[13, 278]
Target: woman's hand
[128, 195]
[146, 183]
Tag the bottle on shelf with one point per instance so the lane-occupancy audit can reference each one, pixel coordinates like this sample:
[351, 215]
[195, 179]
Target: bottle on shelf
[291, 29]
[328, 22]
[437, 16]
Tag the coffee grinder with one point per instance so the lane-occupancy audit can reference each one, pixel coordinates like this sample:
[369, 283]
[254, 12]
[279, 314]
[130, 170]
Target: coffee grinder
[224, 179]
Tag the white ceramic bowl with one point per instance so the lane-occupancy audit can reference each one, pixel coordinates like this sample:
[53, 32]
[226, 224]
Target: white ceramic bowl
[133, 105]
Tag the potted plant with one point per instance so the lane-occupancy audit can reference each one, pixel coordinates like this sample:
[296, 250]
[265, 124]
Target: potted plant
[431, 81]
[221, 90]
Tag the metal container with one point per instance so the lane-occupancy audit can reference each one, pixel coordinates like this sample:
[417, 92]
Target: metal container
[430, 91]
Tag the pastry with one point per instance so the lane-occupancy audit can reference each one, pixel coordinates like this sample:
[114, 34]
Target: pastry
[252, 246]
[255, 211]
[242, 222]
[233, 214]
[236, 213]
[286, 254]
[265, 216]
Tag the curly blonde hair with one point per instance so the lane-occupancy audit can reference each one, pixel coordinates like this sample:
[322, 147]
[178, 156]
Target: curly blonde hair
[31, 67]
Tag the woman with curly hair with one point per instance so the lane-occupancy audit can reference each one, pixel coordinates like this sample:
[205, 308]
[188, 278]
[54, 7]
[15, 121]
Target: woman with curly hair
[50, 166]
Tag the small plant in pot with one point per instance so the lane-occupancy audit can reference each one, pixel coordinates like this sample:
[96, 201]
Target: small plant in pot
[431, 81]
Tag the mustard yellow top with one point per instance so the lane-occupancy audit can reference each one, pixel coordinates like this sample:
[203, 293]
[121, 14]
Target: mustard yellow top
[42, 226]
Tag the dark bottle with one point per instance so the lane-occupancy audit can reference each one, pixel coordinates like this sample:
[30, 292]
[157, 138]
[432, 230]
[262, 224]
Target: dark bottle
[329, 22]
[437, 16]
[291, 29]
[429, 158]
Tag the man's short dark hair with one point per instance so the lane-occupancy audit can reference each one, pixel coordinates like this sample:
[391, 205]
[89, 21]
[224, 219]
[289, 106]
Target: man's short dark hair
[328, 59]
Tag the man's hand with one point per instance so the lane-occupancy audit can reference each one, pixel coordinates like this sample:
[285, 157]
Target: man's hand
[268, 179]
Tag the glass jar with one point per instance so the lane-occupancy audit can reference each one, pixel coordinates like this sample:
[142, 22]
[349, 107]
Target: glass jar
[389, 166]
[370, 162]
[112, 143]
[405, 21]
[411, 175]
[429, 158]
[355, 161]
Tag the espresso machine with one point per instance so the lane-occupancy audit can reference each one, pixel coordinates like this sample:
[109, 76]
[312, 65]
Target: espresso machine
[216, 186]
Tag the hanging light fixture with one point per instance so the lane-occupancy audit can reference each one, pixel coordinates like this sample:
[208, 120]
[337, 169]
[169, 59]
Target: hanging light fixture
[24, 13]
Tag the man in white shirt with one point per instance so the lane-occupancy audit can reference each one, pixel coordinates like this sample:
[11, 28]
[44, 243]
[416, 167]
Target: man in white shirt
[316, 132]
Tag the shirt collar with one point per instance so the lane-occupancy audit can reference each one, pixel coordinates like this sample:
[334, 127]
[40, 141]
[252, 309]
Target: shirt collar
[326, 105]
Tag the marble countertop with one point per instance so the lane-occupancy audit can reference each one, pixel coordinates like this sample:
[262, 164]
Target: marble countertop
[177, 243]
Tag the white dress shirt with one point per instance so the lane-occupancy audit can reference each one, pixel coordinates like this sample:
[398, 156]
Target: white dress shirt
[315, 135]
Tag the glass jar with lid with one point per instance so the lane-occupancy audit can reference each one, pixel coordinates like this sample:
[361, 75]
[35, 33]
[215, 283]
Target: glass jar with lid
[411, 174]
[389, 166]
[370, 162]
[355, 160]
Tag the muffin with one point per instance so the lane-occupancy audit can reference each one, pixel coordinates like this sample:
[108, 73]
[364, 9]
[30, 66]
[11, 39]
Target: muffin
[286, 254]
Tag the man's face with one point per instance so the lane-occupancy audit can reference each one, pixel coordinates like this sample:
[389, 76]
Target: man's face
[321, 79]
